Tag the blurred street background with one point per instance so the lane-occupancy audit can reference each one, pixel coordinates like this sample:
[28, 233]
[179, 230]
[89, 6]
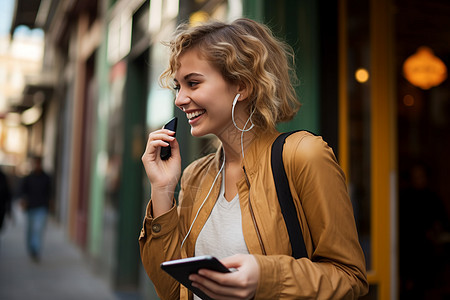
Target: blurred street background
[79, 88]
[62, 272]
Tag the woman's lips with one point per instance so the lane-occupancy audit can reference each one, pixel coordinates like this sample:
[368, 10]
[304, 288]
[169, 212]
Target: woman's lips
[195, 114]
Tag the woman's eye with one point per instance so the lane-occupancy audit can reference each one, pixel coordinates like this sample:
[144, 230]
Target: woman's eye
[176, 88]
[192, 83]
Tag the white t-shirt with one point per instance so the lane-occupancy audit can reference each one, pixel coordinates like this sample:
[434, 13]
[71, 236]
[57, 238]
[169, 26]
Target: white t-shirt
[222, 234]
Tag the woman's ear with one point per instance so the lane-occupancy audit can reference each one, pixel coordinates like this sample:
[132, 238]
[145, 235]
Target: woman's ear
[243, 91]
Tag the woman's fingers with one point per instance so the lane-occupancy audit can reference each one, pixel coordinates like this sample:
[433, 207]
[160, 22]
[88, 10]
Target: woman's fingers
[241, 284]
[219, 291]
[161, 172]
[159, 138]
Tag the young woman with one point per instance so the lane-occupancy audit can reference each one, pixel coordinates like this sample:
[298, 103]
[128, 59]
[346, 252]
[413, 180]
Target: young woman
[235, 81]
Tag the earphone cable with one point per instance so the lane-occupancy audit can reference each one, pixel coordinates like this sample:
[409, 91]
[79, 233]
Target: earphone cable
[203, 203]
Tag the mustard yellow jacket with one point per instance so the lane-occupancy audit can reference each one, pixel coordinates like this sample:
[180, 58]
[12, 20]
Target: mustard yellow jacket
[335, 268]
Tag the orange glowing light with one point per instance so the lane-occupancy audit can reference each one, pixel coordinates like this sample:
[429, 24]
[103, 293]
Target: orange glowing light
[424, 69]
[362, 75]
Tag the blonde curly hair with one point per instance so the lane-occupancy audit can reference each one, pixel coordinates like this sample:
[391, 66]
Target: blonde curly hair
[245, 52]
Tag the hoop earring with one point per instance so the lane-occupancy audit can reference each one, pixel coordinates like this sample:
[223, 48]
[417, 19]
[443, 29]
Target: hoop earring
[248, 120]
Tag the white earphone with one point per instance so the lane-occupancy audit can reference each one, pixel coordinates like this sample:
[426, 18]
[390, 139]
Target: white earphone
[242, 130]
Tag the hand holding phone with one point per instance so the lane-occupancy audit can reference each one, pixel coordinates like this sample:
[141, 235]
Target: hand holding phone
[163, 173]
[171, 125]
[180, 269]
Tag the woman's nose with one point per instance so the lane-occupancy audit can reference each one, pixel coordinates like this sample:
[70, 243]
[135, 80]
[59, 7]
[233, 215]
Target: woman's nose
[182, 98]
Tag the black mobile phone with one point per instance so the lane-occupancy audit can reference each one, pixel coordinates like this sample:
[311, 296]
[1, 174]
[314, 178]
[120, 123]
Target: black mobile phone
[180, 269]
[171, 125]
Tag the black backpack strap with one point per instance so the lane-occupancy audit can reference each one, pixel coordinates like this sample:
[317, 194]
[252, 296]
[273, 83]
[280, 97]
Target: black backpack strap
[285, 198]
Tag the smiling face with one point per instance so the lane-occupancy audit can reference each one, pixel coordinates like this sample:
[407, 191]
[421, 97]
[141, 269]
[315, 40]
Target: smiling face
[204, 95]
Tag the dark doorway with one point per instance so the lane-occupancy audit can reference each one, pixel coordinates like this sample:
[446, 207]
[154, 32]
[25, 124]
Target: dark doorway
[423, 148]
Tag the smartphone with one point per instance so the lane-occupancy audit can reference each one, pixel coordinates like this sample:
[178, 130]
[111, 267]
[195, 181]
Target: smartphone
[180, 269]
[171, 125]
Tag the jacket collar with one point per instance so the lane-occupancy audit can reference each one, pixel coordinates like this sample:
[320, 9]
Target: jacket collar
[257, 148]
[253, 153]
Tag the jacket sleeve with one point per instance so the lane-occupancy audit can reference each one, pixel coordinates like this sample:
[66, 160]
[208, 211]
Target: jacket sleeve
[161, 237]
[335, 268]
[159, 242]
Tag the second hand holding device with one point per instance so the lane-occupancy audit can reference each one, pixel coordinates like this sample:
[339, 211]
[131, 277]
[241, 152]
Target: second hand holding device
[180, 269]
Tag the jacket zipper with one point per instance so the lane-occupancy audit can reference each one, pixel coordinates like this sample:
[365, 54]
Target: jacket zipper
[258, 234]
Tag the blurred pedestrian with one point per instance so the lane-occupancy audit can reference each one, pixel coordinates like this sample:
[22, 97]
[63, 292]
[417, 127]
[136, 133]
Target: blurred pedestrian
[35, 193]
[234, 81]
[5, 198]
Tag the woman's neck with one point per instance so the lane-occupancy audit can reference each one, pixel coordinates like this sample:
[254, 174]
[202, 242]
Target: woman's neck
[232, 147]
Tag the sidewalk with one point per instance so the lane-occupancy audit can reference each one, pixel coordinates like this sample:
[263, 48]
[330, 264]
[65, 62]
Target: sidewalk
[62, 273]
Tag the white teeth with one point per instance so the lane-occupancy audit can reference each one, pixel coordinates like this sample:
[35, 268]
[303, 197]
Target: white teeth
[194, 114]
